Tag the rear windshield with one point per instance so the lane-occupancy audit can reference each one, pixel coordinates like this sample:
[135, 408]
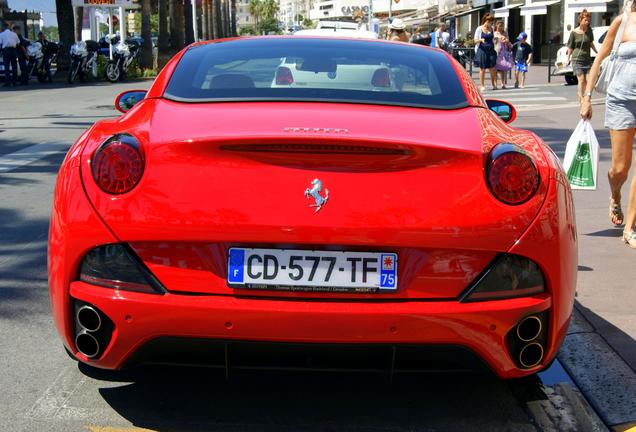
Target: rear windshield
[311, 69]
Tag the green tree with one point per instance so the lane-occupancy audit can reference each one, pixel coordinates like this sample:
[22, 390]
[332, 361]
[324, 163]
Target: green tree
[51, 33]
[146, 34]
[255, 8]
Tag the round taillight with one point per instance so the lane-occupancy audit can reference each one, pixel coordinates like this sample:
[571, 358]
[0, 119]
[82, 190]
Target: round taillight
[118, 164]
[512, 175]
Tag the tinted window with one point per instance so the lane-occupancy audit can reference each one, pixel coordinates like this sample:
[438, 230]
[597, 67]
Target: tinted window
[306, 69]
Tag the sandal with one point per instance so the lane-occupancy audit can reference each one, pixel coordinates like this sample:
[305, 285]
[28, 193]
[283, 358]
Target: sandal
[629, 238]
[615, 213]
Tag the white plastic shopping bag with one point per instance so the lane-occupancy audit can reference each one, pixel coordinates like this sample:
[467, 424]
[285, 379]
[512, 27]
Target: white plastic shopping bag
[581, 157]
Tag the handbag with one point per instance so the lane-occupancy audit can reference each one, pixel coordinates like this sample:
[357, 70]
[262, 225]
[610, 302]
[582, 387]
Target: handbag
[580, 162]
[504, 60]
[608, 65]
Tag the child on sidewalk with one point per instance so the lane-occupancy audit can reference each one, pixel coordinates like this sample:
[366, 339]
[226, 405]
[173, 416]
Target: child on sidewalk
[523, 57]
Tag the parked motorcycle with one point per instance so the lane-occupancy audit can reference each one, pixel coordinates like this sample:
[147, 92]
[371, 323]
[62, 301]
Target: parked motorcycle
[124, 53]
[83, 60]
[40, 59]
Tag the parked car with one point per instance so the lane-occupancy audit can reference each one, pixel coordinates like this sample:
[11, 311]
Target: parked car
[561, 64]
[229, 221]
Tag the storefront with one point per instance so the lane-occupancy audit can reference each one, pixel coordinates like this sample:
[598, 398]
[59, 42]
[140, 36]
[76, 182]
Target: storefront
[602, 11]
[511, 16]
[541, 23]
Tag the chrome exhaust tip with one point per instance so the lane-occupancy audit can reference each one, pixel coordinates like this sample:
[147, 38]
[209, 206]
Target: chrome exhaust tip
[529, 328]
[531, 355]
[87, 344]
[89, 318]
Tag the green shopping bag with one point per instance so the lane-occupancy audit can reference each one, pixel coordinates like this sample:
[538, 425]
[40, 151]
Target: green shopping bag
[581, 157]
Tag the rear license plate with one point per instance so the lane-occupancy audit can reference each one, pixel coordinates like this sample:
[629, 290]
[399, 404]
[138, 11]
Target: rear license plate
[308, 270]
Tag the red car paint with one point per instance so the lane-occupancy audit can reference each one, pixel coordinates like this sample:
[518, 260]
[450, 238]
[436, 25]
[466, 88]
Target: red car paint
[205, 190]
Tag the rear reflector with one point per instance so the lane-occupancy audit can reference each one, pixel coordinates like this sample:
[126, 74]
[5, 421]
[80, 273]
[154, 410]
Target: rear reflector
[381, 78]
[118, 164]
[284, 76]
[512, 175]
[116, 266]
[508, 276]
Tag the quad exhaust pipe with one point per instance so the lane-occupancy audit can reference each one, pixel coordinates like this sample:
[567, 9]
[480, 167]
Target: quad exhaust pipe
[89, 318]
[529, 329]
[87, 344]
[527, 340]
[531, 355]
[93, 330]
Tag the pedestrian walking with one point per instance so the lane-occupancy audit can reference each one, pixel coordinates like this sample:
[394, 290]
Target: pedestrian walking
[420, 38]
[579, 45]
[522, 52]
[397, 31]
[620, 115]
[442, 37]
[485, 54]
[23, 56]
[503, 47]
[9, 42]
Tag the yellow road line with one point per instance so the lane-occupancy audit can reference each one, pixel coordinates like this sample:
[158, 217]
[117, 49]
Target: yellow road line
[627, 427]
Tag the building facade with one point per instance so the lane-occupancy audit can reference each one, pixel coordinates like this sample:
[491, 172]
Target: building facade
[548, 23]
[243, 17]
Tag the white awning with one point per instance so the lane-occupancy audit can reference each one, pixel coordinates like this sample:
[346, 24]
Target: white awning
[537, 8]
[469, 11]
[590, 5]
[502, 12]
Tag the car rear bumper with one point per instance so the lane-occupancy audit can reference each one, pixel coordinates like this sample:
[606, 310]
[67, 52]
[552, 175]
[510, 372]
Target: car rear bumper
[141, 318]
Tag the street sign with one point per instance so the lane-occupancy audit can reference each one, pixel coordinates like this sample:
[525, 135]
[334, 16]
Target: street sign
[128, 4]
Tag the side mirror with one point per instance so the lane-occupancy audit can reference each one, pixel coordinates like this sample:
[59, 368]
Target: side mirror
[503, 109]
[126, 100]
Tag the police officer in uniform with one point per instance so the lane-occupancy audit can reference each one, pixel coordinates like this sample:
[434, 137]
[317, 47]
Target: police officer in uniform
[23, 56]
[9, 42]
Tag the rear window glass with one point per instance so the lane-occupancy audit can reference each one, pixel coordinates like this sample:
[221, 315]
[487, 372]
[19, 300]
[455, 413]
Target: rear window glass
[306, 69]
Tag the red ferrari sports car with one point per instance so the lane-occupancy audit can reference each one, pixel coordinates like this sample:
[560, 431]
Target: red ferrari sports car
[302, 202]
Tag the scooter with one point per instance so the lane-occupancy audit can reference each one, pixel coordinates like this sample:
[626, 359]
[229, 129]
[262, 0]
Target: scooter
[83, 60]
[124, 53]
[40, 59]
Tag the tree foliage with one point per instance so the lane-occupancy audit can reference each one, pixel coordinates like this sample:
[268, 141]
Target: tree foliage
[265, 14]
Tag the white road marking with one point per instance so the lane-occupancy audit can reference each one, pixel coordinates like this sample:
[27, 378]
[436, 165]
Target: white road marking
[29, 155]
[57, 395]
[534, 99]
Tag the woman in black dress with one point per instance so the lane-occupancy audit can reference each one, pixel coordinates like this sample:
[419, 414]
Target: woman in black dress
[485, 54]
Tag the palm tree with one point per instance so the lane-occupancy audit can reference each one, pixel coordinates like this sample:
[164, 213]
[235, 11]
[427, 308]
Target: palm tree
[163, 46]
[79, 21]
[270, 9]
[233, 19]
[65, 24]
[146, 35]
[255, 9]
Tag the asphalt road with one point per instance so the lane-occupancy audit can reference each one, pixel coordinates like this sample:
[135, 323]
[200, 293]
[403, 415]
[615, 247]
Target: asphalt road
[43, 389]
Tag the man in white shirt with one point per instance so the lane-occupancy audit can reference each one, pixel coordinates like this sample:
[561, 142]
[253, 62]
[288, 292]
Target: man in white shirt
[442, 37]
[9, 42]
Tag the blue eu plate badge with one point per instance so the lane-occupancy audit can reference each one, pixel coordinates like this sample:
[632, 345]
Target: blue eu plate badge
[236, 266]
[388, 271]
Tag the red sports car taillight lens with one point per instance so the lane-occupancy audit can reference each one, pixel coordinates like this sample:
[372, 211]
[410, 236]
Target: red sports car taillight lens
[381, 78]
[512, 175]
[118, 164]
[508, 276]
[116, 266]
[284, 76]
